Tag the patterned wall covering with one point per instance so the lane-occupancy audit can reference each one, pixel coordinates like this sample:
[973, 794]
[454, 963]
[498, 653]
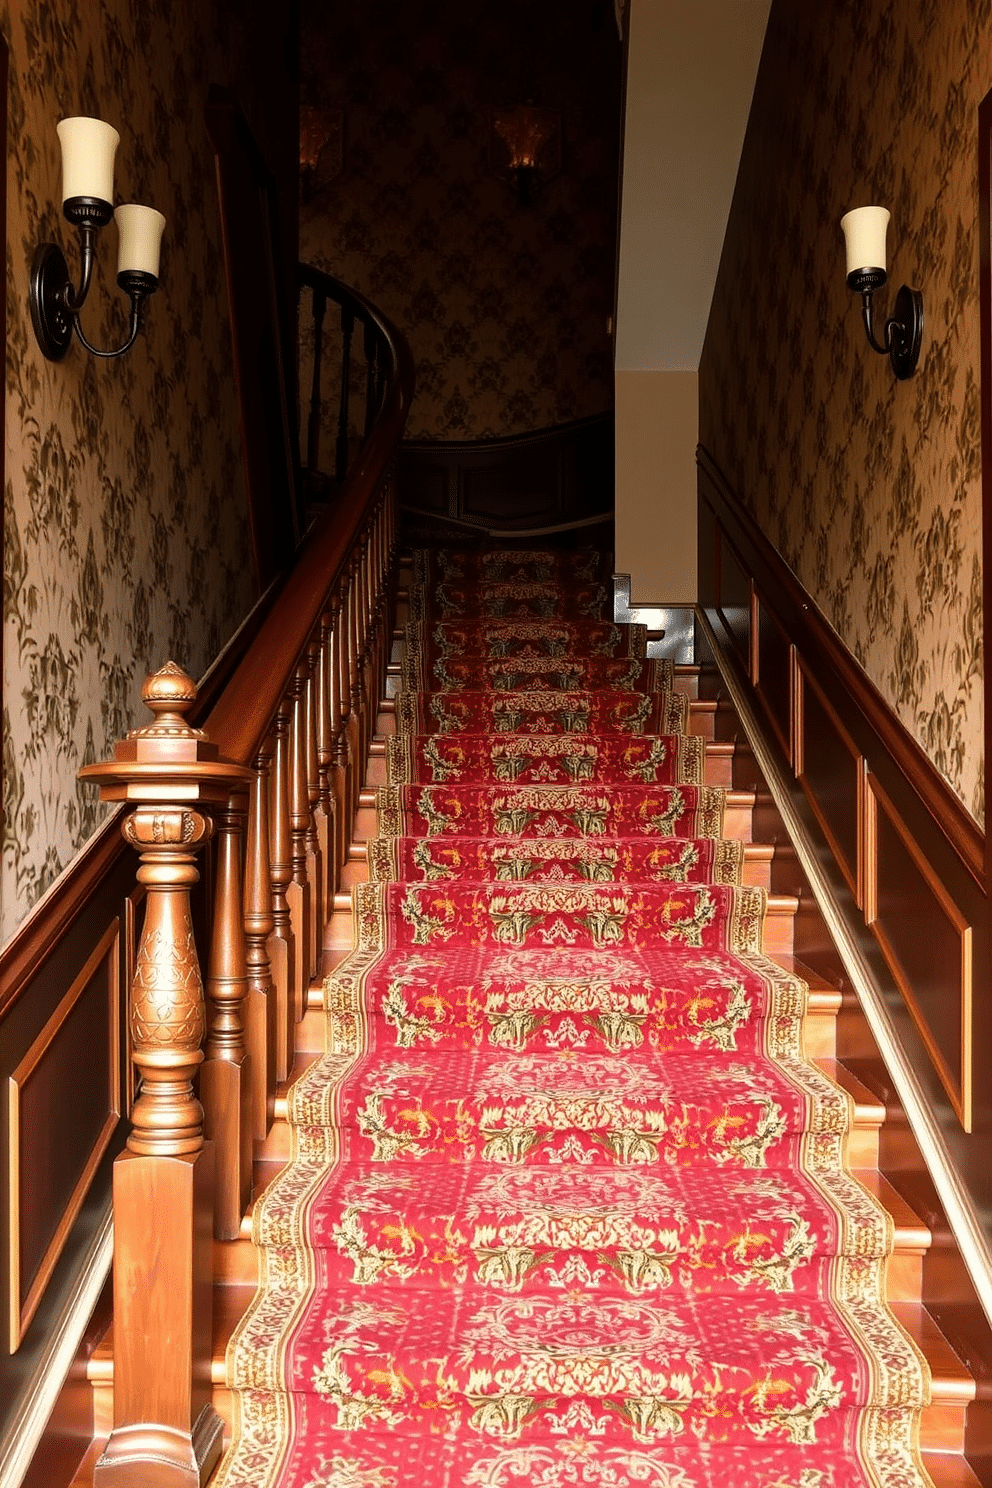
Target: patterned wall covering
[124, 511]
[505, 307]
[869, 488]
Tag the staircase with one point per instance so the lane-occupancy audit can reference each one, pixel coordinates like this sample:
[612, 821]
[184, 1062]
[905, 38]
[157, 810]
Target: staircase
[942, 1431]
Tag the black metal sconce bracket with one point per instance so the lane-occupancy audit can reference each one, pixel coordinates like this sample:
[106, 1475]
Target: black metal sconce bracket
[55, 304]
[903, 334]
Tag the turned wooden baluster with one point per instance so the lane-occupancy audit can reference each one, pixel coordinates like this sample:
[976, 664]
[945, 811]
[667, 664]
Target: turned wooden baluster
[315, 857]
[355, 683]
[313, 425]
[283, 946]
[338, 769]
[298, 893]
[324, 809]
[371, 349]
[225, 1079]
[166, 1432]
[382, 624]
[263, 1001]
[347, 744]
[341, 447]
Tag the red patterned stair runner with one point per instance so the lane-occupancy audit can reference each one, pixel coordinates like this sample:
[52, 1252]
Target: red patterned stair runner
[567, 1203]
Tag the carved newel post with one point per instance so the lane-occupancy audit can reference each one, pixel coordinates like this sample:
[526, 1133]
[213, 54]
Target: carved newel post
[166, 1432]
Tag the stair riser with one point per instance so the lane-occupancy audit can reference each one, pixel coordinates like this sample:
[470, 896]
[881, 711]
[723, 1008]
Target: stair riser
[236, 1264]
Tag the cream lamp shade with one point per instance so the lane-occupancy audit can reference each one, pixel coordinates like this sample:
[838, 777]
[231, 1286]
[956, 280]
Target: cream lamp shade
[864, 235]
[88, 150]
[139, 231]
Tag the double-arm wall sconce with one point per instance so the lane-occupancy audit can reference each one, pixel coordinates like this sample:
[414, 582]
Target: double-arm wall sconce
[864, 233]
[88, 150]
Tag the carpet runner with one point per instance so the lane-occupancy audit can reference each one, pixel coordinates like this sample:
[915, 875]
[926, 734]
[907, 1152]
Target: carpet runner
[567, 1203]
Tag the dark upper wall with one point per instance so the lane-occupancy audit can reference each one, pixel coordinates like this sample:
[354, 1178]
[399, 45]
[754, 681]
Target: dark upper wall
[124, 510]
[505, 307]
[869, 488]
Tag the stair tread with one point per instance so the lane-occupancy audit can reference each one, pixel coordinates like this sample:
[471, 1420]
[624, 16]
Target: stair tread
[946, 1469]
[868, 1108]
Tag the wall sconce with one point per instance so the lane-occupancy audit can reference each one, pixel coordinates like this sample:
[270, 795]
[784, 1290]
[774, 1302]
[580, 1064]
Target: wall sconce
[864, 235]
[321, 148]
[88, 149]
[525, 148]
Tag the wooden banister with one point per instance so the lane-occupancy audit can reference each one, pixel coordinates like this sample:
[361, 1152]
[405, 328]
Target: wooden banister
[278, 769]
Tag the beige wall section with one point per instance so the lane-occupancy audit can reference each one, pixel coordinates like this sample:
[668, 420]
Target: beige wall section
[657, 416]
[690, 76]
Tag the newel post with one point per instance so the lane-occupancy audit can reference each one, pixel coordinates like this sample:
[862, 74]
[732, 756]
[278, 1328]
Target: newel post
[166, 1432]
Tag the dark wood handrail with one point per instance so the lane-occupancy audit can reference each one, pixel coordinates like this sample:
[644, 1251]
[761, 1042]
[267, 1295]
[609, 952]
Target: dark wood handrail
[819, 644]
[240, 717]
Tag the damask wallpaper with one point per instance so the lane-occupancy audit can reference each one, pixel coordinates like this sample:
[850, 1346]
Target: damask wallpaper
[124, 510]
[505, 306]
[870, 488]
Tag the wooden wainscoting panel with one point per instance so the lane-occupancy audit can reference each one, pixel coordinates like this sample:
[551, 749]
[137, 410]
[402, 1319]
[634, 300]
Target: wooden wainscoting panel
[426, 486]
[830, 769]
[773, 673]
[549, 477]
[927, 943]
[512, 493]
[707, 551]
[63, 1104]
[735, 602]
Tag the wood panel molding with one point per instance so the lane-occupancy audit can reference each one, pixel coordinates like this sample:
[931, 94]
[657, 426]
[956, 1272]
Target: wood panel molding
[928, 928]
[905, 848]
[26, 1287]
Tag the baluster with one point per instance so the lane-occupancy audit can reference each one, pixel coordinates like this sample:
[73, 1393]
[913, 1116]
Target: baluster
[384, 618]
[369, 698]
[298, 892]
[163, 1180]
[338, 771]
[354, 721]
[341, 453]
[259, 925]
[315, 855]
[283, 945]
[313, 426]
[226, 1073]
[324, 810]
[371, 347]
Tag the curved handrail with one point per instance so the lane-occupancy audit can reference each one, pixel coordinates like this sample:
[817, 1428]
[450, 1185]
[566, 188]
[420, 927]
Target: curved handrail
[241, 715]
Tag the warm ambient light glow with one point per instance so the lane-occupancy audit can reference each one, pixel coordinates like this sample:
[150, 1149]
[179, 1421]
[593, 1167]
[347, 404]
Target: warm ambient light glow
[140, 239]
[88, 150]
[864, 233]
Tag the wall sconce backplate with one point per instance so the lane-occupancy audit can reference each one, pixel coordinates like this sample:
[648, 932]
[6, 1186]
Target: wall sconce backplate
[908, 339]
[50, 288]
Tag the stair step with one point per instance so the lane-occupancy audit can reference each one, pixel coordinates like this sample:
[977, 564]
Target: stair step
[718, 769]
[941, 1427]
[869, 1114]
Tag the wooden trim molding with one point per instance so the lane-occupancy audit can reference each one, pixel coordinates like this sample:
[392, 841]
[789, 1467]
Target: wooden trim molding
[901, 844]
[950, 943]
[25, 1293]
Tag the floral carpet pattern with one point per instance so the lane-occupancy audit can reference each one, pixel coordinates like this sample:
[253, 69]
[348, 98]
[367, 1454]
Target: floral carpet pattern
[567, 1203]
